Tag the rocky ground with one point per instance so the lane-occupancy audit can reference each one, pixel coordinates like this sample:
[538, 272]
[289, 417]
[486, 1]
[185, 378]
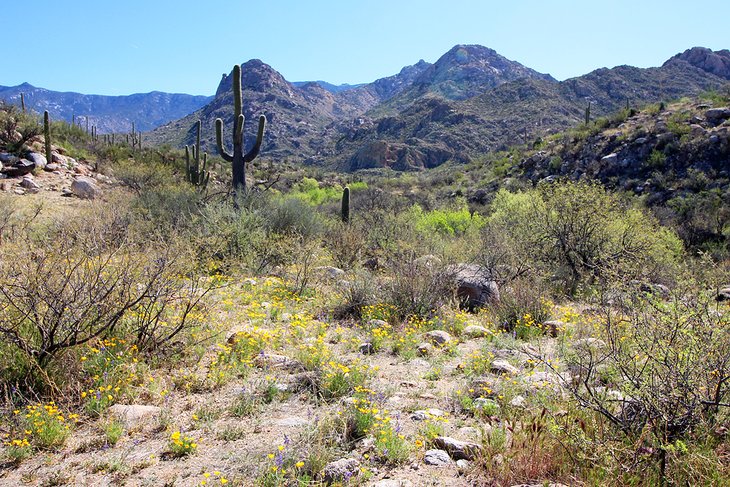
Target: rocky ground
[440, 391]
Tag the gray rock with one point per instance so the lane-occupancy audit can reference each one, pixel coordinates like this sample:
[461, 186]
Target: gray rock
[85, 188]
[377, 323]
[476, 331]
[342, 469]
[697, 130]
[292, 422]
[438, 337]
[59, 159]
[518, 402]
[424, 414]
[367, 348]
[51, 167]
[424, 349]
[717, 115]
[503, 367]
[640, 141]
[610, 159]
[458, 450]
[38, 159]
[553, 327]
[331, 272]
[438, 458]
[393, 483]
[29, 184]
[474, 285]
[133, 414]
[20, 168]
[7, 158]
[462, 465]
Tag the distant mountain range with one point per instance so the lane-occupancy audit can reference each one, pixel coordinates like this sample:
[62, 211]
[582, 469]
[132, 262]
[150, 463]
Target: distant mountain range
[470, 101]
[107, 113]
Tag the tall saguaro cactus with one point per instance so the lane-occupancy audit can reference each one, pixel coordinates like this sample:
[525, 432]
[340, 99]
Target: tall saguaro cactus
[197, 174]
[47, 136]
[238, 158]
[22, 101]
[345, 211]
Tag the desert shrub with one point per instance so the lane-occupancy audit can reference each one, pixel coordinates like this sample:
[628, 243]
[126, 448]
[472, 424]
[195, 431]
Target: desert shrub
[523, 300]
[657, 160]
[290, 216]
[17, 128]
[345, 244]
[415, 288]
[63, 290]
[447, 222]
[658, 372]
[582, 234]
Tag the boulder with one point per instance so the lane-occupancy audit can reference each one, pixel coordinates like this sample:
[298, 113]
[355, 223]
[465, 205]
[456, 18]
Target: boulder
[503, 367]
[716, 116]
[393, 483]
[424, 414]
[37, 158]
[474, 285]
[610, 159]
[458, 450]
[367, 348]
[424, 349]
[133, 414]
[19, 168]
[476, 331]
[438, 337]
[85, 188]
[341, 470]
[438, 458]
[30, 184]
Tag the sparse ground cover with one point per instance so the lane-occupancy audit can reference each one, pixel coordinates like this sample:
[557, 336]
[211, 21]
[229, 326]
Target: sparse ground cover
[162, 337]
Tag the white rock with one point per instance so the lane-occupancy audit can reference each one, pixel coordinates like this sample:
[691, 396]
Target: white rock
[85, 188]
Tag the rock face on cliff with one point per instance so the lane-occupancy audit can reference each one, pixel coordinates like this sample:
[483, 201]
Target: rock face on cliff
[715, 62]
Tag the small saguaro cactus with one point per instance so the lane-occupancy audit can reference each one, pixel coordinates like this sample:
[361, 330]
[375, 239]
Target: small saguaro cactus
[47, 136]
[346, 205]
[238, 158]
[22, 101]
[588, 113]
[197, 174]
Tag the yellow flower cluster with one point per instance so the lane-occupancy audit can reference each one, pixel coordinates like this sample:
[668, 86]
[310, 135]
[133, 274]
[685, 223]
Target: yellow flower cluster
[216, 475]
[43, 425]
[182, 445]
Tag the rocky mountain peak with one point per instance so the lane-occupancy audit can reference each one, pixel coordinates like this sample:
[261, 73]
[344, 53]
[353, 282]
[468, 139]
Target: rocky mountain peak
[715, 62]
[467, 70]
[256, 75]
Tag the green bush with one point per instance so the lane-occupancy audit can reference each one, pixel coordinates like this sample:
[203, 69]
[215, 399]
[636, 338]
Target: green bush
[447, 222]
[583, 234]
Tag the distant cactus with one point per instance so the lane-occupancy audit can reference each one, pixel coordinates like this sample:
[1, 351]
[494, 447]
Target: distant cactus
[197, 174]
[238, 158]
[588, 113]
[22, 101]
[346, 205]
[47, 136]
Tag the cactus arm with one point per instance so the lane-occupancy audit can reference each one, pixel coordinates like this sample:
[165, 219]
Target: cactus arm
[251, 155]
[187, 164]
[219, 141]
[237, 96]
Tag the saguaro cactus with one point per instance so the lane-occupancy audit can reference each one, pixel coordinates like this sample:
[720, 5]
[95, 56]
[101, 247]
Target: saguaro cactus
[22, 101]
[197, 174]
[47, 136]
[588, 113]
[346, 205]
[238, 158]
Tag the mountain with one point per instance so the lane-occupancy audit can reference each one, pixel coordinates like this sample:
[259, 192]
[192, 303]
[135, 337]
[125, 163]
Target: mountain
[715, 62]
[469, 102]
[107, 113]
[302, 119]
[327, 86]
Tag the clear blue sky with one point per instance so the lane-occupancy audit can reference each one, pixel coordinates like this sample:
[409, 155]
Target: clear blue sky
[132, 46]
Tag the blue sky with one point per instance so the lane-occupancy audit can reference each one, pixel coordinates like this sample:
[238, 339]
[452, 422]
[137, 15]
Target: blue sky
[134, 46]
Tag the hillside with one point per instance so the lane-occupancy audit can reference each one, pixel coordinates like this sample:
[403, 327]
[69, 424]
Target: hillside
[471, 101]
[110, 114]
